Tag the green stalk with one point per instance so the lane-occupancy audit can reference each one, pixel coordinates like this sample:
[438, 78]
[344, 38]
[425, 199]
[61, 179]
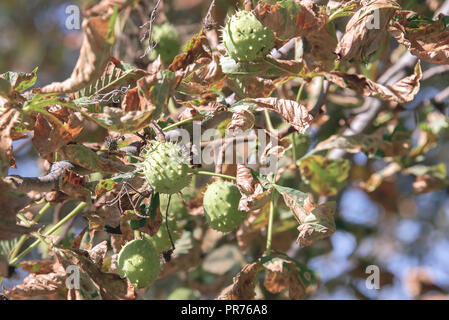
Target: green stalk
[270, 224]
[207, 173]
[268, 120]
[179, 123]
[300, 91]
[294, 147]
[63, 221]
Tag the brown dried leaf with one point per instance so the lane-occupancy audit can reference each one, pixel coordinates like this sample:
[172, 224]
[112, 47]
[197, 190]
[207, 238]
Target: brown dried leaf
[202, 75]
[243, 286]
[98, 253]
[110, 286]
[245, 179]
[291, 111]
[315, 221]
[290, 19]
[363, 143]
[41, 266]
[37, 285]
[7, 121]
[94, 55]
[84, 157]
[242, 119]
[279, 277]
[402, 91]
[194, 51]
[363, 35]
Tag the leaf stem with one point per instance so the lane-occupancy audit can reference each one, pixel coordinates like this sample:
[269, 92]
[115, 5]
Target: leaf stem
[300, 91]
[24, 237]
[268, 120]
[270, 223]
[208, 173]
[74, 212]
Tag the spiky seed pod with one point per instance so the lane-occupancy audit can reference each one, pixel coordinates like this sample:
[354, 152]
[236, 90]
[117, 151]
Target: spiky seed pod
[220, 202]
[245, 38]
[167, 41]
[165, 167]
[138, 261]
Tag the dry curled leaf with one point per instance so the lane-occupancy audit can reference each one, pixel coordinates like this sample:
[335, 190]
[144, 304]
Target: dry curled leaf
[283, 274]
[243, 286]
[39, 285]
[428, 40]
[315, 221]
[242, 119]
[7, 121]
[402, 91]
[109, 286]
[366, 30]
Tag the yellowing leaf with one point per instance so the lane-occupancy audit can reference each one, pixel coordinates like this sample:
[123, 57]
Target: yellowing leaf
[324, 176]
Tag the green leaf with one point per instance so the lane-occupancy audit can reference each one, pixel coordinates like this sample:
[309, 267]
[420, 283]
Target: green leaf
[324, 176]
[20, 81]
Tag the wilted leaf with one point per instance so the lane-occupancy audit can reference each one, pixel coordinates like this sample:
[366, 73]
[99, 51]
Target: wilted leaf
[110, 286]
[243, 286]
[366, 30]
[193, 51]
[362, 143]
[202, 75]
[315, 221]
[94, 55]
[242, 119]
[318, 224]
[50, 135]
[402, 91]
[98, 253]
[38, 285]
[41, 266]
[20, 81]
[282, 273]
[288, 19]
[84, 157]
[291, 111]
[324, 176]
[428, 40]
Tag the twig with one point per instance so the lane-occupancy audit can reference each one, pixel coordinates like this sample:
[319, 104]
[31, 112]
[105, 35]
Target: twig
[149, 32]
